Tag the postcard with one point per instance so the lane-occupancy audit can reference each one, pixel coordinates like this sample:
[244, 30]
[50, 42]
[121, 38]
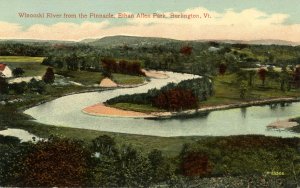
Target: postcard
[132, 93]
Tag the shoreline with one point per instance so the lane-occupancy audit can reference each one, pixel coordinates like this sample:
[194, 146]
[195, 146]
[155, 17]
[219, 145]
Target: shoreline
[105, 111]
[96, 109]
[26, 107]
[230, 106]
[153, 75]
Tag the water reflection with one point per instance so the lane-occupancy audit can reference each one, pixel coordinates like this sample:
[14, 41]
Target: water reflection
[281, 105]
[244, 112]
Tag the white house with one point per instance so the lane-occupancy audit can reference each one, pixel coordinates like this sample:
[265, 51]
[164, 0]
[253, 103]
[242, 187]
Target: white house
[5, 71]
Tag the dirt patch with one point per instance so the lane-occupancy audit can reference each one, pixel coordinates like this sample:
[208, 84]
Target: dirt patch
[102, 110]
[282, 124]
[106, 82]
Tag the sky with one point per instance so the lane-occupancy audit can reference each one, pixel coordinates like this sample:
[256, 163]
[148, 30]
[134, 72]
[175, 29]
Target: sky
[228, 19]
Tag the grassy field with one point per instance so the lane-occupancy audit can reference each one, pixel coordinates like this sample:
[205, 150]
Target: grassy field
[137, 107]
[227, 91]
[125, 79]
[20, 59]
[83, 77]
[92, 78]
[31, 65]
[264, 57]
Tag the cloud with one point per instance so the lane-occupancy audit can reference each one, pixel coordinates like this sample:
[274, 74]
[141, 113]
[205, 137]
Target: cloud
[58, 31]
[248, 24]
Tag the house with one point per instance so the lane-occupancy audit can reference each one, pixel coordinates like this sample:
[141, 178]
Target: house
[5, 71]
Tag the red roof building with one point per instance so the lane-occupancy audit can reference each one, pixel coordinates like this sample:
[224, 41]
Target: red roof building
[2, 66]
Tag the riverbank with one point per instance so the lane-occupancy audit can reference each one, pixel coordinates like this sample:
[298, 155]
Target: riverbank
[282, 124]
[155, 74]
[102, 110]
[297, 127]
[98, 89]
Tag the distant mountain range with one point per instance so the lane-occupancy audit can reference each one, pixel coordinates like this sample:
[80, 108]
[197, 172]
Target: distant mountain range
[118, 40]
[113, 41]
[35, 41]
[260, 42]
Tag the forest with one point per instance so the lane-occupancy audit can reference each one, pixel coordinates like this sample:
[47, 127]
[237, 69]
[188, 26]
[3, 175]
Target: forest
[104, 163]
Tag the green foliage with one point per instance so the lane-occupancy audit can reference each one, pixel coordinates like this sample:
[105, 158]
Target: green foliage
[125, 79]
[17, 72]
[125, 166]
[160, 169]
[18, 88]
[3, 85]
[36, 86]
[243, 89]
[106, 164]
[12, 162]
[251, 155]
[49, 77]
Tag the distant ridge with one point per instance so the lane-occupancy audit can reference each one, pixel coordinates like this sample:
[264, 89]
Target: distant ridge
[119, 40]
[111, 41]
[35, 41]
[257, 42]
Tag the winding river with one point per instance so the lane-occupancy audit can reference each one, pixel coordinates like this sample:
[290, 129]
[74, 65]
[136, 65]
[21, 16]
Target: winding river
[66, 112]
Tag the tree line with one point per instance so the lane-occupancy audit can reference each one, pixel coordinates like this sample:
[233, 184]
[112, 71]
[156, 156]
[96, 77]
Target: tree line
[124, 67]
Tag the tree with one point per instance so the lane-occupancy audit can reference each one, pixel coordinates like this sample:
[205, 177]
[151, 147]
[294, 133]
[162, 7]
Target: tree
[132, 168]
[17, 72]
[36, 86]
[196, 164]
[159, 169]
[105, 145]
[262, 75]
[49, 76]
[103, 168]
[243, 89]
[297, 77]
[284, 79]
[186, 50]
[251, 74]
[222, 68]
[12, 162]
[176, 99]
[56, 162]
[18, 88]
[3, 85]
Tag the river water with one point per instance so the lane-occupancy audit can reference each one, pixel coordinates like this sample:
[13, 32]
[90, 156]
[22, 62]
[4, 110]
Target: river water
[66, 112]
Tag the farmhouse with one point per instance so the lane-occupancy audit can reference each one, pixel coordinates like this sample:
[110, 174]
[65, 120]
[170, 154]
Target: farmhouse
[5, 71]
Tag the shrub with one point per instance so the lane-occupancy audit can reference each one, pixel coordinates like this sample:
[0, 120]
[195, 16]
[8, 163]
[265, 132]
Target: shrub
[49, 76]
